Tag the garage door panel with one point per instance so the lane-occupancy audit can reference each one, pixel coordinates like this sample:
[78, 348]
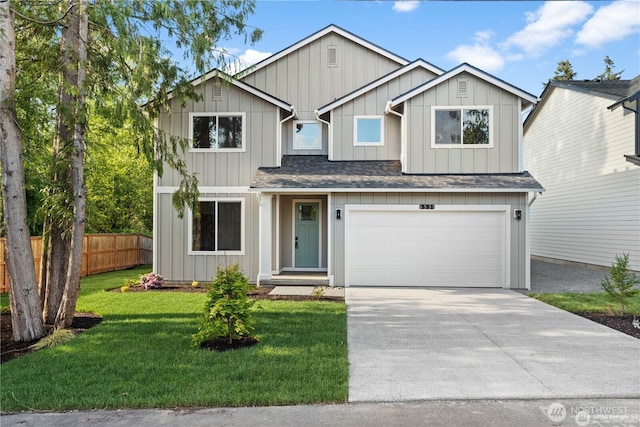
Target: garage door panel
[427, 248]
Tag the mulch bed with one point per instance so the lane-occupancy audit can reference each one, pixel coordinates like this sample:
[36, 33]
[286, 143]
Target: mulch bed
[11, 349]
[620, 323]
[222, 344]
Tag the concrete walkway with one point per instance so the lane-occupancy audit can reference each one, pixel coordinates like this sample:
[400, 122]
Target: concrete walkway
[428, 344]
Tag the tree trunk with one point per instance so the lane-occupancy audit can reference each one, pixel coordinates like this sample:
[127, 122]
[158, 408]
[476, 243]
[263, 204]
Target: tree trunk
[24, 299]
[70, 296]
[58, 223]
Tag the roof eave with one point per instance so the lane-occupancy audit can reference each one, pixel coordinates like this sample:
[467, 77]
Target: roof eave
[392, 190]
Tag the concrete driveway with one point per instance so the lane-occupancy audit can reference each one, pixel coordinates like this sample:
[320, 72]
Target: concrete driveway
[422, 344]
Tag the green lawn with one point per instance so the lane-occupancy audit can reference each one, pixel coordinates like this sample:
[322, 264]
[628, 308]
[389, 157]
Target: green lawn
[589, 302]
[140, 356]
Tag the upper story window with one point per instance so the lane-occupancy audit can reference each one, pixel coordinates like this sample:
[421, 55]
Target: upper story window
[217, 131]
[456, 127]
[307, 135]
[219, 227]
[368, 130]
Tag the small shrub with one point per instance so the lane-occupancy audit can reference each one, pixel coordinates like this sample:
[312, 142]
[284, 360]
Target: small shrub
[124, 289]
[58, 336]
[5, 309]
[620, 282]
[227, 310]
[318, 292]
[195, 284]
[151, 281]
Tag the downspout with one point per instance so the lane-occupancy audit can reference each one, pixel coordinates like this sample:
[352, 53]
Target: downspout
[535, 196]
[330, 136]
[279, 136]
[389, 110]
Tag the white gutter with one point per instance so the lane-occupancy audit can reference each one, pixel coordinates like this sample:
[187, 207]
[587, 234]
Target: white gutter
[403, 142]
[535, 196]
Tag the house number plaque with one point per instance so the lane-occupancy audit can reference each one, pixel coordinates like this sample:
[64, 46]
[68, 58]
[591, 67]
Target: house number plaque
[427, 206]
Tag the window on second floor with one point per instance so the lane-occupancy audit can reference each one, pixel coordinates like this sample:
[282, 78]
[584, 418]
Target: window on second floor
[307, 135]
[456, 127]
[217, 131]
[368, 130]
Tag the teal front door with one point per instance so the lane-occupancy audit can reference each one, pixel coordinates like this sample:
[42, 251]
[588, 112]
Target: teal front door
[307, 235]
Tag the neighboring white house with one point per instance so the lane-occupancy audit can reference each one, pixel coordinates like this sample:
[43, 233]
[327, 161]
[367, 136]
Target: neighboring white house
[337, 156]
[582, 143]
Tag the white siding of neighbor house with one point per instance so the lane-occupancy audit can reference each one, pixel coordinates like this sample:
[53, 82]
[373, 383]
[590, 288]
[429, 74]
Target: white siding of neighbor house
[306, 80]
[220, 168]
[518, 269]
[590, 211]
[501, 158]
[373, 103]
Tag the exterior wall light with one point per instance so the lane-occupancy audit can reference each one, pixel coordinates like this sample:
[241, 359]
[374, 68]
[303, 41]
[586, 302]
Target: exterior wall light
[338, 214]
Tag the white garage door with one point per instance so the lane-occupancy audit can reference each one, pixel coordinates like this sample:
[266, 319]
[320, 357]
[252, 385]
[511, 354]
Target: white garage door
[403, 246]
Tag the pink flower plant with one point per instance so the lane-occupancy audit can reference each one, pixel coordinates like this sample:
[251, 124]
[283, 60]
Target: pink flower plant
[151, 281]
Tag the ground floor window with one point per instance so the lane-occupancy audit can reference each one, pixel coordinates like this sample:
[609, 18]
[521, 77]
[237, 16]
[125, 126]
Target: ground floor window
[218, 226]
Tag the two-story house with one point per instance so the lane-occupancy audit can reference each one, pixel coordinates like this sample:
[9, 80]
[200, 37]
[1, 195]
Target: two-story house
[337, 156]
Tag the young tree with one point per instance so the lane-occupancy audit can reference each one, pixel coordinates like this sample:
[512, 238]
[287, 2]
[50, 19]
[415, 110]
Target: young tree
[24, 301]
[112, 48]
[619, 284]
[564, 71]
[608, 73]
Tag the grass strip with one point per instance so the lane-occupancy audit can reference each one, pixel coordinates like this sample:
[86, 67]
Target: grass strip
[597, 302]
[140, 356]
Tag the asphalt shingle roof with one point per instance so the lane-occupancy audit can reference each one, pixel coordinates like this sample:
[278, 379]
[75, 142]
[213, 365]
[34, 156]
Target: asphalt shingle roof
[315, 172]
[617, 88]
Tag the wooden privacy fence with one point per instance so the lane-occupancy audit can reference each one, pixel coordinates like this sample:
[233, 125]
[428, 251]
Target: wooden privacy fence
[100, 253]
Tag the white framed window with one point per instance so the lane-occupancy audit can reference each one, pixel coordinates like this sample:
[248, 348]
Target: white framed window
[368, 130]
[307, 135]
[219, 227]
[461, 127]
[217, 131]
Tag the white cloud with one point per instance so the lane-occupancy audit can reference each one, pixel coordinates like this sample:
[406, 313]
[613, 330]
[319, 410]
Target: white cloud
[237, 61]
[612, 22]
[479, 54]
[549, 26]
[405, 5]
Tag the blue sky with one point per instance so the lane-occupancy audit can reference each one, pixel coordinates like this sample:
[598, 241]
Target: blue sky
[518, 41]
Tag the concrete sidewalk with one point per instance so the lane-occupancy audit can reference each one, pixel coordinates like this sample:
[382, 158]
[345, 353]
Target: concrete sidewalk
[428, 344]
[522, 413]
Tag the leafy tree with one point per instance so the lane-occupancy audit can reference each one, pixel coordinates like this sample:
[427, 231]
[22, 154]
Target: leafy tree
[119, 181]
[619, 284]
[108, 50]
[608, 73]
[564, 71]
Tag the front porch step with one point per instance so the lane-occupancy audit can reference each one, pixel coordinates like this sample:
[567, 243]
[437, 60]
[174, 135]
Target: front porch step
[296, 279]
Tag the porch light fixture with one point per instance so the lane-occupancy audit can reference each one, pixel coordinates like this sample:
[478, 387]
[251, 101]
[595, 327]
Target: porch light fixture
[338, 214]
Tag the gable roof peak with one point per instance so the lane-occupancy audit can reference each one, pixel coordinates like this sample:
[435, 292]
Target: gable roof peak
[470, 69]
[331, 28]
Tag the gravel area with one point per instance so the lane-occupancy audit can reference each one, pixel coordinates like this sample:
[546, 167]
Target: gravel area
[548, 277]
